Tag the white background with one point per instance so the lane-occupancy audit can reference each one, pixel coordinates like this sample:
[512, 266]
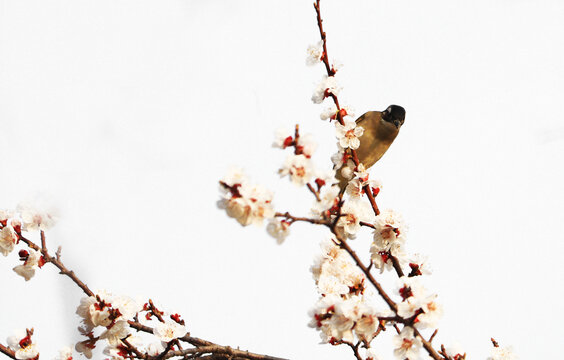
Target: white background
[124, 114]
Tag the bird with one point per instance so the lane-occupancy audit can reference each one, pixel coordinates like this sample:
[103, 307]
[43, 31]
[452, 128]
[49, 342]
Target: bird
[380, 130]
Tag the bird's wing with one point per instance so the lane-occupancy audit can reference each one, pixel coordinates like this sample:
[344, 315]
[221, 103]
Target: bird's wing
[371, 148]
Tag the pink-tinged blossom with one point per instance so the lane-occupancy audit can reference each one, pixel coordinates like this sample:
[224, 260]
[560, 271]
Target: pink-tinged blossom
[8, 239]
[64, 354]
[278, 229]
[327, 86]
[23, 346]
[169, 330]
[314, 54]
[348, 134]
[35, 219]
[502, 353]
[298, 168]
[32, 261]
[406, 345]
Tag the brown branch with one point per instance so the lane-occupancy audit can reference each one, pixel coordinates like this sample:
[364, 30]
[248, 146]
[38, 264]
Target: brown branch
[233, 353]
[397, 266]
[200, 343]
[57, 262]
[363, 223]
[7, 351]
[344, 245]
[433, 336]
[133, 349]
[314, 192]
[292, 219]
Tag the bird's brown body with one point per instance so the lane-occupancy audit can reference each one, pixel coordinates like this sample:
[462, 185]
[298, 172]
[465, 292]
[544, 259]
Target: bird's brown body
[377, 137]
[380, 130]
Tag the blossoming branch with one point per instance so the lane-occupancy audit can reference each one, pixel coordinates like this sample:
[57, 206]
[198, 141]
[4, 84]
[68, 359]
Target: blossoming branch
[349, 287]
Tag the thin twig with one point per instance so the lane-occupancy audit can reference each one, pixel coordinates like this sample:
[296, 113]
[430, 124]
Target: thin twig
[292, 219]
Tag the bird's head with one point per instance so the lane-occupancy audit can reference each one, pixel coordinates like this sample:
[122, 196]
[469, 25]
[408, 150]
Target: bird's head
[394, 114]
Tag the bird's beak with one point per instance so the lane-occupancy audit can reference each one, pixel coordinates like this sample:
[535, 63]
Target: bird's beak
[397, 123]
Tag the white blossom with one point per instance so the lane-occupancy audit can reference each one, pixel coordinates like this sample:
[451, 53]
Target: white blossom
[355, 187]
[35, 219]
[340, 318]
[327, 85]
[127, 306]
[307, 144]
[115, 332]
[282, 138]
[370, 354]
[154, 349]
[8, 238]
[502, 353]
[85, 348]
[23, 345]
[329, 198]
[455, 351]
[169, 330]
[64, 354]
[27, 270]
[248, 204]
[330, 113]
[406, 345]
[298, 168]
[352, 214]
[278, 229]
[348, 134]
[420, 264]
[389, 228]
[314, 53]
[432, 312]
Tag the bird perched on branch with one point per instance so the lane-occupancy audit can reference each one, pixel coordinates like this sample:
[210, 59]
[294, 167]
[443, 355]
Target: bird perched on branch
[380, 130]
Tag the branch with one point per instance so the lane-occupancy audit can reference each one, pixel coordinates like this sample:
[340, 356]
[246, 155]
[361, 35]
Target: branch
[331, 72]
[309, 220]
[221, 350]
[7, 351]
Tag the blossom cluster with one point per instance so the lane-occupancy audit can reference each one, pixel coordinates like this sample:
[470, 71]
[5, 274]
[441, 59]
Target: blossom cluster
[343, 312]
[109, 315]
[13, 223]
[246, 203]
